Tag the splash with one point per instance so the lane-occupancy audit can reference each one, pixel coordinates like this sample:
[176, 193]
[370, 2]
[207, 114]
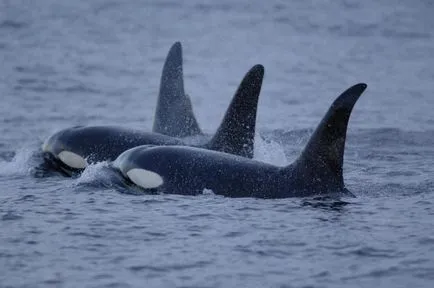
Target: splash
[102, 175]
[269, 151]
[20, 164]
[93, 174]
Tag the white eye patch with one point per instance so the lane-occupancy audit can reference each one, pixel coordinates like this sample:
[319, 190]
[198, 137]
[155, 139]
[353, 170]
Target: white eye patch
[72, 160]
[145, 178]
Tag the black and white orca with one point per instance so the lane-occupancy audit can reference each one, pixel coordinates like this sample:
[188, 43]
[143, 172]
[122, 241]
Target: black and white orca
[72, 149]
[189, 170]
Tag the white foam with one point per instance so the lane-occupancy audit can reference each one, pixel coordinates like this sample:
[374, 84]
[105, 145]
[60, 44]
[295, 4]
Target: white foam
[44, 146]
[72, 160]
[93, 173]
[20, 164]
[145, 178]
[270, 152]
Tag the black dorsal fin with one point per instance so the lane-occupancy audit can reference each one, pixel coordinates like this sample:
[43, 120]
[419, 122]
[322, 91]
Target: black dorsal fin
[236, 133]
[174, 114]
[322, 159]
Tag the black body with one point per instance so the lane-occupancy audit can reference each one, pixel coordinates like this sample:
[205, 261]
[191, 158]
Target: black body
[318, 170]
[104, 143]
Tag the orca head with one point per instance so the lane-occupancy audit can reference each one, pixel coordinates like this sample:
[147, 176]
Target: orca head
[79, 146]
[131, 167]
[57, 148]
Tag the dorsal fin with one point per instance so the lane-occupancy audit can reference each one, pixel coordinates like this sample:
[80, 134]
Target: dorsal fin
[323, 156]
[236, 133]
[174, 114]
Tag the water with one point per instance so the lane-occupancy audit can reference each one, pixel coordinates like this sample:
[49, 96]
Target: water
[68, 63]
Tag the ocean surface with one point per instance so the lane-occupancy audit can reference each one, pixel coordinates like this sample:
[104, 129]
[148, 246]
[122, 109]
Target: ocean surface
[66, 63]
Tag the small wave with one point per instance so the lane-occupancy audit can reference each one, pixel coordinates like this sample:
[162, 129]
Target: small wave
[39, 69]
[214, 7]
[26, 198]
[371, 252]
[10, 24]
[426, 241]
[393, 137]
[353, 29]
[327, 203]
[167, 4]
[10, 215]
[47, 86]
[400, 34]
[80, 88]
[167, 268]
[375, 273]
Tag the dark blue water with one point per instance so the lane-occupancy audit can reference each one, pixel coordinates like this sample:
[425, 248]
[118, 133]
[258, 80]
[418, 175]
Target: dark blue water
[66, 63]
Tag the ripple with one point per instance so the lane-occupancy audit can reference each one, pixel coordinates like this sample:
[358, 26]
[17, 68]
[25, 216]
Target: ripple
[148, 201]
[10, 24]
[207, 8]
[425, 273]
[54, 281]
[86, 235]
[169, 268]
[264, 253]
[234, 234]
[25, 198]
[249, 208]
[354, 29]
[394, 33]
[80, 88]
[156, 234]
[168, 4]
[196, 216]
[426, 241]
[35, 231]
[103, 276]
[378, 273]
[51, 86]
[27, 81]
[372, 252]
[10, 216]
[39, 69]
[326, 204]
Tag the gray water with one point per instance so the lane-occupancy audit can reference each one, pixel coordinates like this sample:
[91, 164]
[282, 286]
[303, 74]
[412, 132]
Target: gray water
[66, 63]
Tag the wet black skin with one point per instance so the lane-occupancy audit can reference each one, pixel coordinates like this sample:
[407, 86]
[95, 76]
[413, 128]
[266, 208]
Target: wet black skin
[104, 143]
[318, 170]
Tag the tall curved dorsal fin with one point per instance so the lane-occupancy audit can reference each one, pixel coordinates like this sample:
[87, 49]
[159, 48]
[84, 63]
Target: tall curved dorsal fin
[236, 133]
[322, 158]
[174, 114]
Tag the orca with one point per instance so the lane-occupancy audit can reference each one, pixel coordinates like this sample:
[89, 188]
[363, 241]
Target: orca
[71, 150]
[188, 170]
